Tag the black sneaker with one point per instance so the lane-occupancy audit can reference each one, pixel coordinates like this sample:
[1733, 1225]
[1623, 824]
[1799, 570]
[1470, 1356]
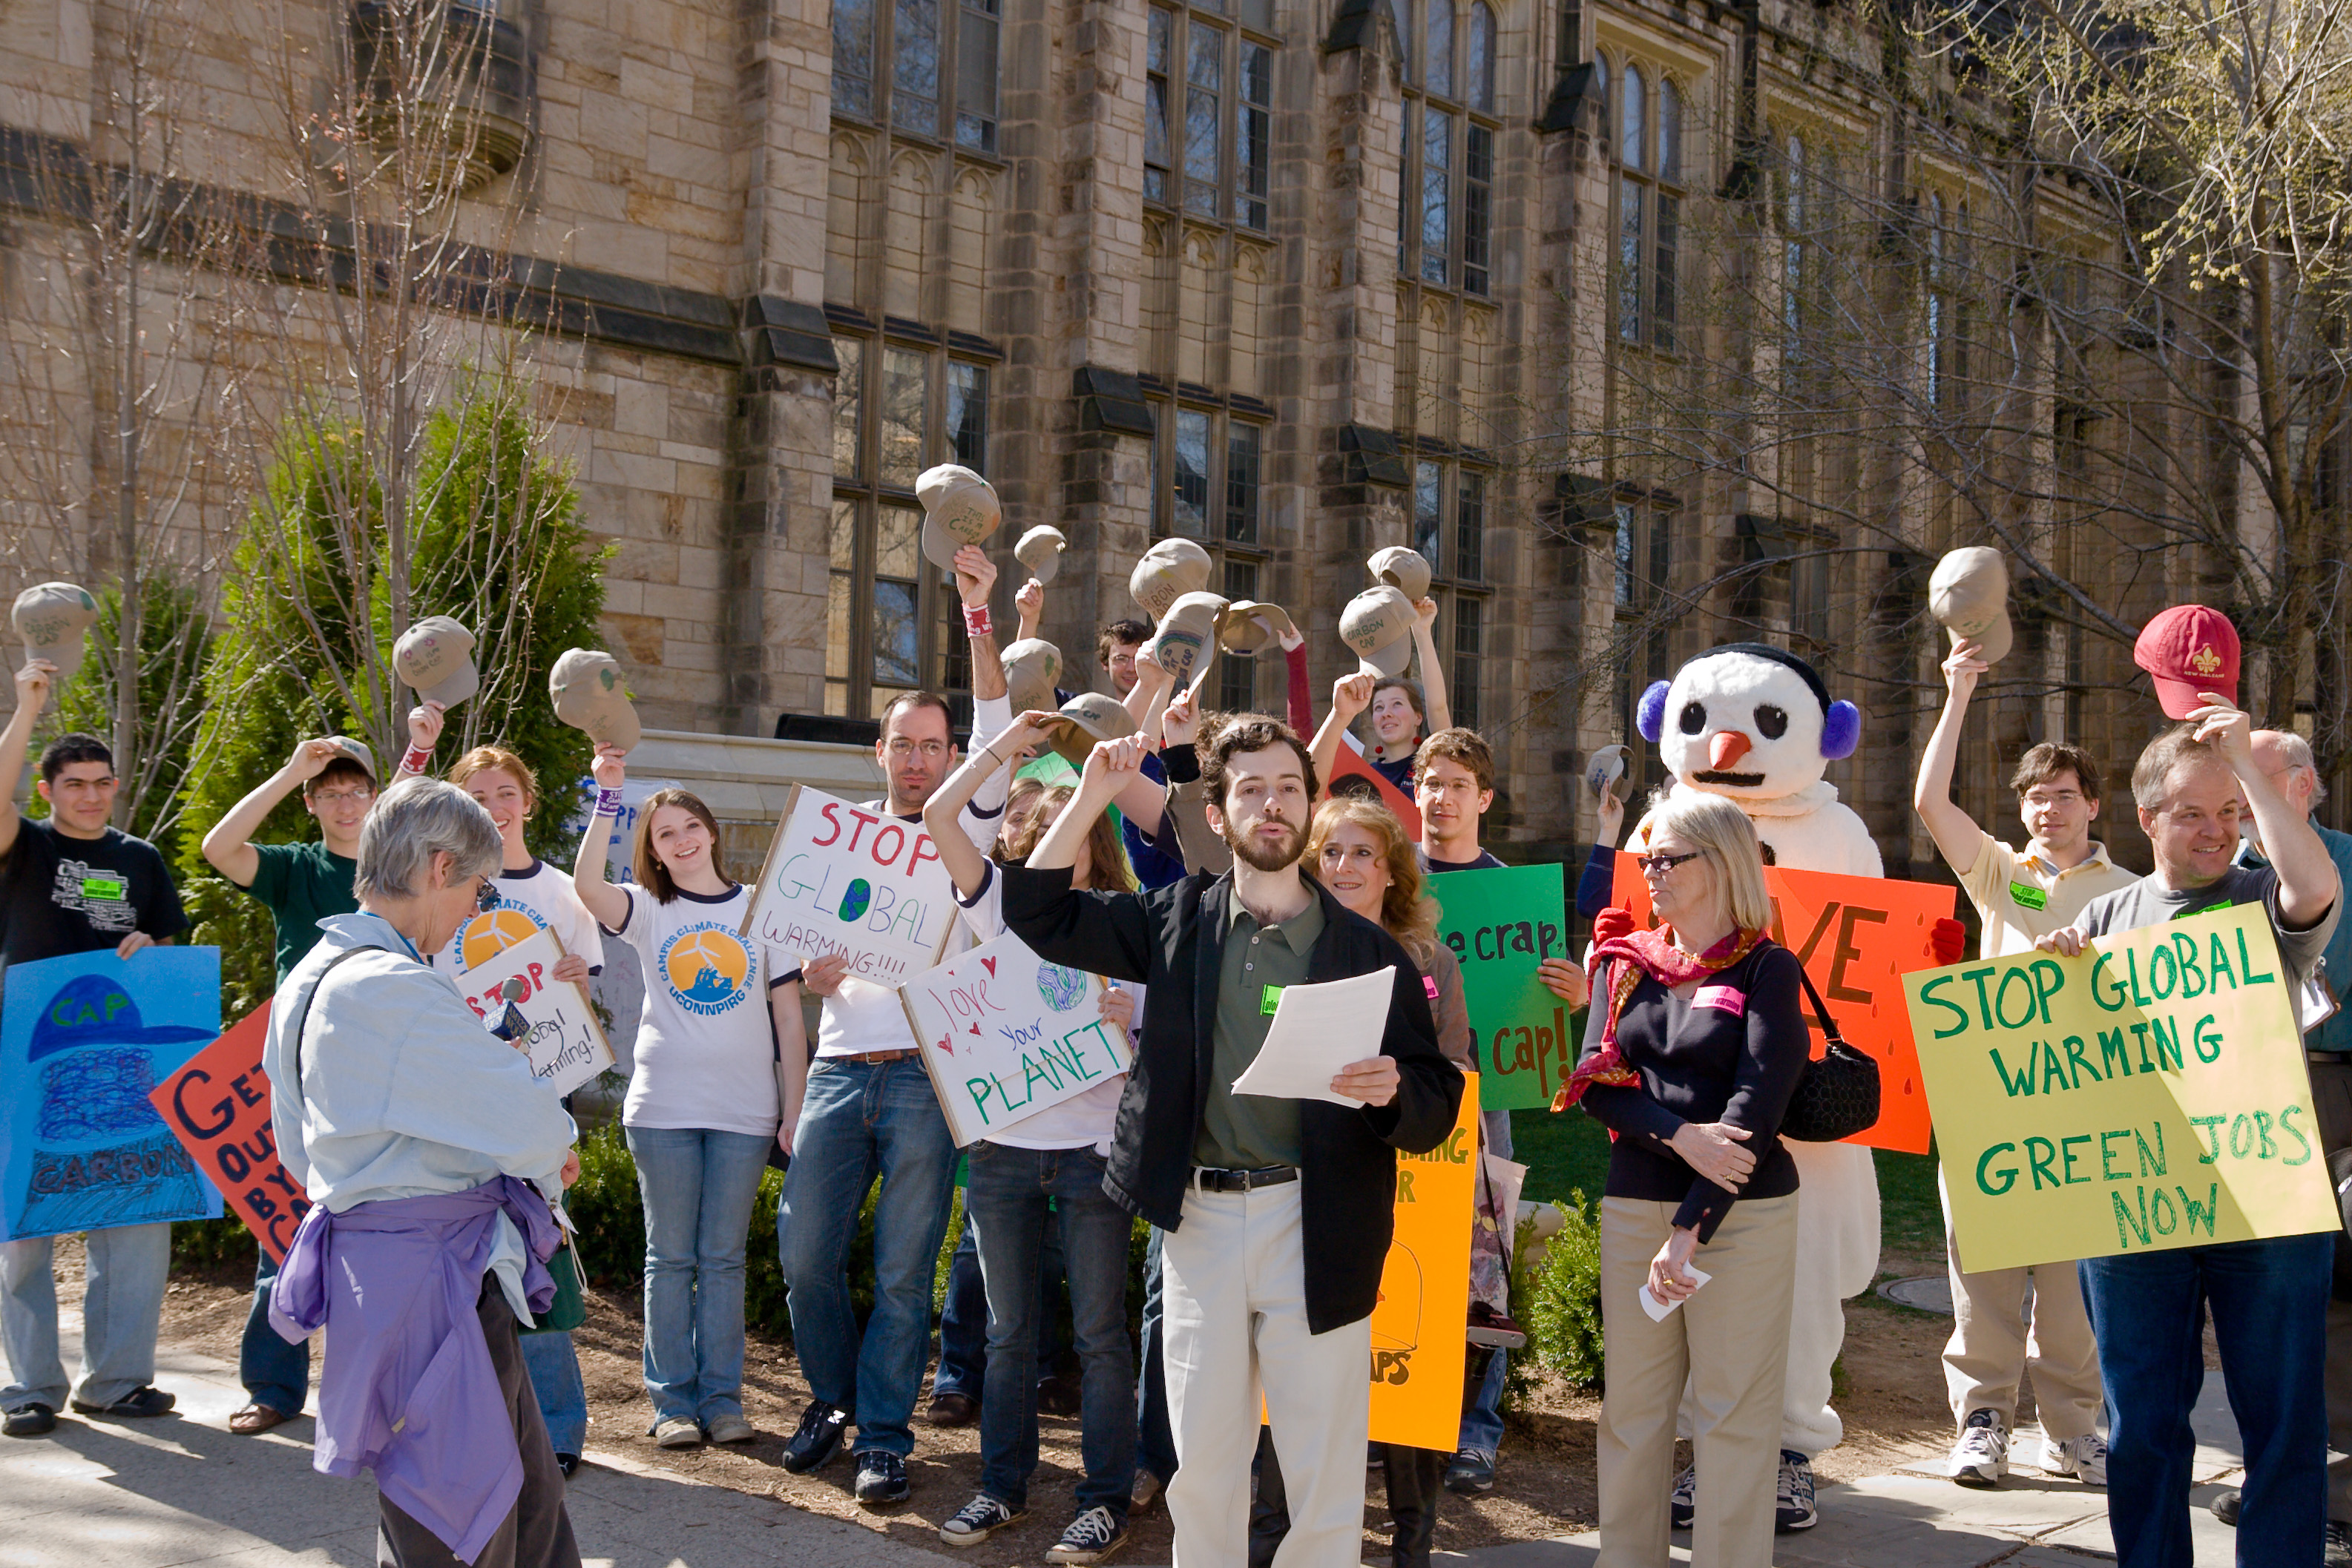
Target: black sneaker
[978, 1519]
[138, 1404]
[2225, 1506]
[568, 1463]
[1682, 1503]
[816, 1438]
[881, 1479]
[1092, 1536]
[30, 1421]
[1472, 1473]
[1793, 1508]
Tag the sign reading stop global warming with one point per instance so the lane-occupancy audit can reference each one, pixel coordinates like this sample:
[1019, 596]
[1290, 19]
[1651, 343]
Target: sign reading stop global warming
[1500, 924]
[1857, 936]
[1006, 1034]
[2150, 1093]
[549, 1020]
[218, 1107]
[843, 879]
[1417, 1341]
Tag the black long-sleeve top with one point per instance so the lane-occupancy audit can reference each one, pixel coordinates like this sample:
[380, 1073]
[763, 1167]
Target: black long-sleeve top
[1731, 1050]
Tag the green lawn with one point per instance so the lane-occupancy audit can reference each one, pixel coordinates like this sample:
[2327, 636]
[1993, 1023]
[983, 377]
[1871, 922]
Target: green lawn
[1570, 1151]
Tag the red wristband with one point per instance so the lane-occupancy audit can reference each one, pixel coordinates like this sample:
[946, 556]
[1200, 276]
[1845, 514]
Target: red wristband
[975, 619]
[416, 760]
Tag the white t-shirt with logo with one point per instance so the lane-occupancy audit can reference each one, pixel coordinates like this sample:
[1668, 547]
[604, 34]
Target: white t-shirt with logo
[539, 898]
[706, 1049]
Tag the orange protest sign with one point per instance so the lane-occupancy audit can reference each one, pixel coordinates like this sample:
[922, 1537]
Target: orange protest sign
[218, 1107]
[1418, 1324]
[1352, 765]
[1857, 936]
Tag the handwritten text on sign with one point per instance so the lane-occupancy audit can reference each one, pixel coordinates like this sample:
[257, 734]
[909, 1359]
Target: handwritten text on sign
[1500, 924]
[2150, 1093]
[218, 1107]
[1857, 936]
[845, 879]
[558, 1029]
[1417, 1341]
[1005, 1034]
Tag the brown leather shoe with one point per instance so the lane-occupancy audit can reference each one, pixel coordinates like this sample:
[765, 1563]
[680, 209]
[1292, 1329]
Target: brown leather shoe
[256, 1419]
[952, 1410]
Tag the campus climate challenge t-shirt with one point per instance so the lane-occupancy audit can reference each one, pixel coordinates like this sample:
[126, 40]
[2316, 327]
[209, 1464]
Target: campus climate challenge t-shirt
[537, 898]
[706, 1047]
[68, 896]
[301, 884]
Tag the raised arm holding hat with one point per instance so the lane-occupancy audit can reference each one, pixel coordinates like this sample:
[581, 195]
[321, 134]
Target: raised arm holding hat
[1968, 597]
[435, 658]
[1247, 627]
[52, 620]
[2187, 651]
[959, 508]
[591, 695]
[1169, 570]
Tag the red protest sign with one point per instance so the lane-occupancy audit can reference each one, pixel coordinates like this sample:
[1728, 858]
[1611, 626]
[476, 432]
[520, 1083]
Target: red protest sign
[1352, 765]
[1857, 936]
[218, 1107]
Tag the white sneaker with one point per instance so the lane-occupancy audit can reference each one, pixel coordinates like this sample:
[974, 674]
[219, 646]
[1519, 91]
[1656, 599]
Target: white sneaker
[2084, 1458]
[1981, 1456]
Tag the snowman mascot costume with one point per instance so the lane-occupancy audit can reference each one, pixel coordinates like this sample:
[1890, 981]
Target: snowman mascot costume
[1755, 724]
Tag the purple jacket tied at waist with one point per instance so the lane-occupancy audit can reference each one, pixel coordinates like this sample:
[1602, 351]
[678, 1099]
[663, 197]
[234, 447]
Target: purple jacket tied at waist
[408, 1389]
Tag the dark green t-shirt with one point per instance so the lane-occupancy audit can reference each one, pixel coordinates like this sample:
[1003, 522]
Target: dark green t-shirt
[301, 884]
[1251, 1131]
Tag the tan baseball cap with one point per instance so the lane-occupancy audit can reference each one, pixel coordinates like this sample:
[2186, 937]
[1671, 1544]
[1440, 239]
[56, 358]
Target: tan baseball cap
[51, 619]
[1040, 550]
[357, 750]
[1086, 718]
[1249, 626]
[1186, 643]
[1378, 624]
[1968, 597]
[1403, 569]
[590, 695]
[1169, 570]
[434, 659]
[959, 508]
[1609, 771]
[1031, 666]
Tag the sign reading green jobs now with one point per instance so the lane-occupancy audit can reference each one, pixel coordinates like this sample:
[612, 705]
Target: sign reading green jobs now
[2149, 1094]
[1501, 923]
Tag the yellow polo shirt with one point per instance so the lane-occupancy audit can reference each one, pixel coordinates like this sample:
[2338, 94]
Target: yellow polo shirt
[2021, 894]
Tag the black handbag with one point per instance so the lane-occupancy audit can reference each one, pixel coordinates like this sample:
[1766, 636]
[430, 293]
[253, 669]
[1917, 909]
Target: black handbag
[1837, 1096]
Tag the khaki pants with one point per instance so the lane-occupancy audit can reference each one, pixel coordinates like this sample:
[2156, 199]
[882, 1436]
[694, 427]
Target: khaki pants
[1234, 1279]
[1992, 1345]
[1730, 1343]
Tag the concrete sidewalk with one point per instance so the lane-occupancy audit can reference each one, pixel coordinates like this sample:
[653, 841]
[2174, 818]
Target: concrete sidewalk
[183, 1490]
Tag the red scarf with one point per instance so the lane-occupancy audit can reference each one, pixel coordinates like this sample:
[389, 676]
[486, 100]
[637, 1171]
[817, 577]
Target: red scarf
[1651, 953]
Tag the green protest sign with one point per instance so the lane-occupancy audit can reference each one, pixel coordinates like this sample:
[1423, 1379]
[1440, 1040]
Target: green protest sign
[1500, 924]
[2150, 1093]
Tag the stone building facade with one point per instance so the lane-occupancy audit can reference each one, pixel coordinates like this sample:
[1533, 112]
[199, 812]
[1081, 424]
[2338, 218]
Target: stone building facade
[1298, 278]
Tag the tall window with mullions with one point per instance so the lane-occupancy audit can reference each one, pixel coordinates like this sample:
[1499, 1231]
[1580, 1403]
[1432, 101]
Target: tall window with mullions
[1207, 470]
[1445, 232]
[1449, 530]
[1649, 112]
[1208, 112]
[925, 68]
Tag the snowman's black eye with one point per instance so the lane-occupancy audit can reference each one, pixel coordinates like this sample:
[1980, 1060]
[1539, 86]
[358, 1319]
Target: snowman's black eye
[1693, 717]
[1770, 722]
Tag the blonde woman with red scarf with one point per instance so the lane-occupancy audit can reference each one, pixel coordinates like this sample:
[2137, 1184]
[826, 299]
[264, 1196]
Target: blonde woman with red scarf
[1696, 1040]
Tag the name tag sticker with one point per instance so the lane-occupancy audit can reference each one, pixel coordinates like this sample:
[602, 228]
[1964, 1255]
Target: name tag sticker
[1269, 1000]
[2027, 896]
[1722, 998]
[105, 889]
[1429, 986]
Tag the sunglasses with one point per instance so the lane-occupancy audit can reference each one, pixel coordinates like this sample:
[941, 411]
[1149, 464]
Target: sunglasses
[1658, 866]
[486, 897]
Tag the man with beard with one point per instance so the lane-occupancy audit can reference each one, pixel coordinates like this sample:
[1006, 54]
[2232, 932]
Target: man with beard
[1273, 1256]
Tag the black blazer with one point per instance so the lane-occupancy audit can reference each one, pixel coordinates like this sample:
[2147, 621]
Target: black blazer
[1173, 940]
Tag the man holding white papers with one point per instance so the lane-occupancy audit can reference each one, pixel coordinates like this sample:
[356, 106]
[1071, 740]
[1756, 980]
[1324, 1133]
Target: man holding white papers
[1276, 1208]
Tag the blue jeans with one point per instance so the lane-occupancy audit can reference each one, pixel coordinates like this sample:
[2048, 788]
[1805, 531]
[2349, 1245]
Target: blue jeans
[1155, 1435]
[2270, 1304]
[699, 1187]
[862, 1119]
[963, 1320]
[1006, 1195]
[1482, 1419]
[276, 1375]
[122, 1302]
[554, 1368]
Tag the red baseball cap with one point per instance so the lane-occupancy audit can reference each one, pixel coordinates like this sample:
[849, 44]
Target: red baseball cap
[2189, 650]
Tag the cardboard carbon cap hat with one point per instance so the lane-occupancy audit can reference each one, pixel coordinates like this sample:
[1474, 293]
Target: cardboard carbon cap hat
[1186, 643]
[959, 508]
[1032, 667]
[1609, 772]
[357, 750]
[1403, 569]
[51, 619]
[1378, 624]
[1040, 550]
[590, 695]
[2189, 650]
[1968, 597]
[1169, 570]
[1249, 626]
[435, 658]
[1086, 718]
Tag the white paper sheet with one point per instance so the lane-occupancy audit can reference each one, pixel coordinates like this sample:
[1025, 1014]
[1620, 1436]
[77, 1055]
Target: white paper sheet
[1318, 1030]
[1658, 1309]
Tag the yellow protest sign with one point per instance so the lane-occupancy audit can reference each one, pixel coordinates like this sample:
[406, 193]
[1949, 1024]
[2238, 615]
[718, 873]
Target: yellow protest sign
[1418, 1340]
[2149, 1094]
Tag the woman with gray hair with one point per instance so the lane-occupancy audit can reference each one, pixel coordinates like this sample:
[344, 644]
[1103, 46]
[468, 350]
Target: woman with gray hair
[431, 1158]
[1696, 1043]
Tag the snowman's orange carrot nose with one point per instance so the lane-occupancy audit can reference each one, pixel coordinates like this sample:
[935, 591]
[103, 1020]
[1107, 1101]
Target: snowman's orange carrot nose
[1728, 748]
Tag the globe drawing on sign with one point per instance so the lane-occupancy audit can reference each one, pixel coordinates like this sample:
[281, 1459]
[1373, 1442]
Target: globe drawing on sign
[707, 968]
[485, 937]
[1062, 988]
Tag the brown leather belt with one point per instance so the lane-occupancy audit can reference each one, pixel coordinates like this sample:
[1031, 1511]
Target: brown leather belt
[874, 1058]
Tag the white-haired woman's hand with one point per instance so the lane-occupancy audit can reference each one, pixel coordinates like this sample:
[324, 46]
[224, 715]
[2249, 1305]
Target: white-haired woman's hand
[1670, 1278]
[1714, 1150]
